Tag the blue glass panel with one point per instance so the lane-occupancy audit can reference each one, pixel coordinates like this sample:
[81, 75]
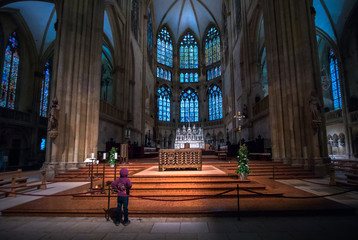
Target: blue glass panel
[196, 77]
[43, 144]
[181, 77]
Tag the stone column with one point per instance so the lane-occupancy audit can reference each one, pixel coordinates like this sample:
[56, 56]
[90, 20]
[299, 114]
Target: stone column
[298, 135]
[77, 70]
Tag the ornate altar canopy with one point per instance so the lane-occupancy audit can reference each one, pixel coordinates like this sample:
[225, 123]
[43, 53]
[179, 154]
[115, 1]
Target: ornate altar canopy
[193, 136]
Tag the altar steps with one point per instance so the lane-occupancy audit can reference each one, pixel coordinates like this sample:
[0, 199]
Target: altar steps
[179, 195]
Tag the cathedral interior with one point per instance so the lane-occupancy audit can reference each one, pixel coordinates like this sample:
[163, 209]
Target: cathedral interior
[279, 76]
[216, 109]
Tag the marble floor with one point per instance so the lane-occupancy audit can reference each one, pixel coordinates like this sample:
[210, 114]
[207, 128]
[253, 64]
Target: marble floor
[254, 228]
[330, 226]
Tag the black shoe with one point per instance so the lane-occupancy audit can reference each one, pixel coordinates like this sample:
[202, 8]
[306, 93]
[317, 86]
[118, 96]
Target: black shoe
[126, 223]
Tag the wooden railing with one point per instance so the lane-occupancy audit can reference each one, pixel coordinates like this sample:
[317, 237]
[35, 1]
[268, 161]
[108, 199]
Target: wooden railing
[344, 171]
[18, 181]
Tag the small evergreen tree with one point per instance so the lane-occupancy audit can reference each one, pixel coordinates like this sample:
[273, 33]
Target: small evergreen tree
[111, 155]
[243, 160]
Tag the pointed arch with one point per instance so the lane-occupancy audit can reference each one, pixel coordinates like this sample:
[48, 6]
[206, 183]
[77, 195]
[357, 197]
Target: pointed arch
[45, 88]
[163, 102]
[189, 106]
[188, 51]
[215, 103]
[10, 73]
[165, 47]
[212, 45]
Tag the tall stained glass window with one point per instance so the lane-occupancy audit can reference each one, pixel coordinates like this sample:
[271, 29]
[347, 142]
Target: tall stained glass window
[10, 73]
[212, 46]
[215, 103]
[164, 48]
[163, 102]
[336, 90]
[188, 52]
[45, 90]
[189, 106]
[164, 74]
[149, 37]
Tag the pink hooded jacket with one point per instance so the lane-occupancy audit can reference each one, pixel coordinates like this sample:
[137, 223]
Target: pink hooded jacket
[122, 184]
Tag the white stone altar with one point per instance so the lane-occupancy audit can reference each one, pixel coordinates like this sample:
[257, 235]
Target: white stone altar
[194, 137]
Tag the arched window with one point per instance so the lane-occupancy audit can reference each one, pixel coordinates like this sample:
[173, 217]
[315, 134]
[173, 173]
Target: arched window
[188, 52]
[149, 37]
[336, 90]
[45, 90]
[163, 104]
[215, 103]
[164, 48]
[189, 106]
[189, 77]
[106, 76]
[10, 73]
[212, 46]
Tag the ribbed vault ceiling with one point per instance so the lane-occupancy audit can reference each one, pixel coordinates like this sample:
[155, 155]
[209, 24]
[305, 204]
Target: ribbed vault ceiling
[180, 15]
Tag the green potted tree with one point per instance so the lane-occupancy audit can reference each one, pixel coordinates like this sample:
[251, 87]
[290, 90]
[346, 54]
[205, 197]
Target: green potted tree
[243, 162]
[112, 156]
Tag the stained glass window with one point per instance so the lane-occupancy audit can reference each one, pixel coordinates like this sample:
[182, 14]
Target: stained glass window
[163, 102]
[45, 90]
[188, 52]
[43, 144]
[189, 77]
[336, 90]
[164, 74]
[149, 37]
[213, 73]
[189, 106]
[164, 48]
[212, 46]
[215, 103]
[10, 73]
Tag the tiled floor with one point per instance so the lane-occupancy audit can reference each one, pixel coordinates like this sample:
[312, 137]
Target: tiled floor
[288, 228]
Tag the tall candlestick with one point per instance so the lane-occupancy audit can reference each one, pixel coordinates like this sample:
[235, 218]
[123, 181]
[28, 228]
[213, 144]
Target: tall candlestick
[92, 155]
[115, 155]
[104, 155]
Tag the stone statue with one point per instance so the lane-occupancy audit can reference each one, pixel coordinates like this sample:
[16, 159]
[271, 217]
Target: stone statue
[315, 107]
[53, 116]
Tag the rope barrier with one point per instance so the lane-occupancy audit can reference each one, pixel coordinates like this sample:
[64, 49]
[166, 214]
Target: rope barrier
[183, 200]
[297, 197]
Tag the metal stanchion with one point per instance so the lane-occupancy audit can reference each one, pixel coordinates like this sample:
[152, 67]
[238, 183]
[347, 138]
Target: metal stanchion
[109, 200]
[97, 169]
[115, 171]
[91, 188]
[104, 167]
[89, 170]
[238, 203]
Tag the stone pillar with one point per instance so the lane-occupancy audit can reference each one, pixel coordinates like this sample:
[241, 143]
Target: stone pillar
[298, 135]
[77, 70]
